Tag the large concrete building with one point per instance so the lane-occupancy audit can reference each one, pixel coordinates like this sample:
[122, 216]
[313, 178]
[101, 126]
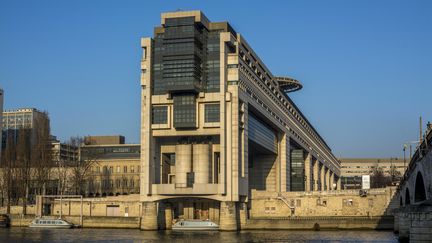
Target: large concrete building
[216, 124]
[352, 169]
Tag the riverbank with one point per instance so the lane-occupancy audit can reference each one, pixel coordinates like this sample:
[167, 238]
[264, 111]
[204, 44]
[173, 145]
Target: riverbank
[295, 223]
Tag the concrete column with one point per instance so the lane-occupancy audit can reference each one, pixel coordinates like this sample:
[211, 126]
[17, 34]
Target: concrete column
[316, 175]
[331, 180]
[307, 162]
[168, 216]
[322, 177]
[326, 179]
[183, 164]
[243, 214]
[149, 216]
[201, 163]
[228, 216]
[339, 187]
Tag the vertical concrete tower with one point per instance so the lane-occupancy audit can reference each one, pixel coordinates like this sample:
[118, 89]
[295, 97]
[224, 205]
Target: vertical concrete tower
[216, 125]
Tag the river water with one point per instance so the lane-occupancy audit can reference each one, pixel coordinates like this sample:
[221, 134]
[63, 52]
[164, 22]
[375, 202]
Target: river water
[131, 235]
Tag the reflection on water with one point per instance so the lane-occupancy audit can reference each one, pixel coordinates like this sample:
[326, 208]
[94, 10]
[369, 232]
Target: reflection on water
[131, 235]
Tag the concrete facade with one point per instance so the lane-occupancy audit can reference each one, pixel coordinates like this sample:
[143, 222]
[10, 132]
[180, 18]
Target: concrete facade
[215, 124]
[352, 169]
[114, 166]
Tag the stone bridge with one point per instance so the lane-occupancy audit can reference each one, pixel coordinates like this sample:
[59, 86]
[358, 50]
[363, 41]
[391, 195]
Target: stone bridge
[413, 218]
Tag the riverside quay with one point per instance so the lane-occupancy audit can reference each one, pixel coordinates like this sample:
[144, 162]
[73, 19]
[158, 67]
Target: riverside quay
[217, 127]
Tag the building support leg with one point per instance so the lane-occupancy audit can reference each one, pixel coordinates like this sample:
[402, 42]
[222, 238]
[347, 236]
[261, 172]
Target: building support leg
[149, 216]
[307, 162]
[322, 177]
[228, 216]
[316, 175]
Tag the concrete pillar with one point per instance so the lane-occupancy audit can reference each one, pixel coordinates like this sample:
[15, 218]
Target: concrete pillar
[331, 181]
[308, 161]
[339, 185]
[316, 174]
[322, 177]
[228, 216]
[149, 216]
[201, 163]
[168, 216]
[243, 214]
[183, 164]
[326, 179]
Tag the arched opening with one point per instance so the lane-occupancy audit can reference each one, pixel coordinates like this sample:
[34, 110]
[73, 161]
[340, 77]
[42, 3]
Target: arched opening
[419, 191]
[400, 201]
[407, 197]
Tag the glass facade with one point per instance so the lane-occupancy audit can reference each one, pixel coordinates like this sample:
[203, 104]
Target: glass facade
[211, 113]
[297, 170]
[160, 115]
[261, 134]
[186, 61]
[184, 111]
[213, 63]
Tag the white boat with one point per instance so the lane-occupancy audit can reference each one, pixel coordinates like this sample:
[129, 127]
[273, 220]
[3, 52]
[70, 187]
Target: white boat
[195, 225]
[50, 223]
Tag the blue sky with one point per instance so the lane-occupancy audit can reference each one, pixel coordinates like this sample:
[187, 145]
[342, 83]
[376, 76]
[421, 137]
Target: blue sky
[366, 66]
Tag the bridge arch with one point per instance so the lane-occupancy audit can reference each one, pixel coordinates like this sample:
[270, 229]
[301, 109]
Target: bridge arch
[419, 188]
[407, 197]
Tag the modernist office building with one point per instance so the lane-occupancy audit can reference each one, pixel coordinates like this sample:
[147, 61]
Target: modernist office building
[217, 124]
[24, 118]
[352, 169]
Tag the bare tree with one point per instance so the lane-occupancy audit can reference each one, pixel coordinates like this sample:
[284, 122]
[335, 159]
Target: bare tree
[81, 166]
[23, 166]
[379, 179]
[41, 154]
[394, 174]
[8, 159]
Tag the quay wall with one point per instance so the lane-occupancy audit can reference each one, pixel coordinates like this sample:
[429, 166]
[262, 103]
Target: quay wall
[321, 223]
[305, 223]
[377, 203]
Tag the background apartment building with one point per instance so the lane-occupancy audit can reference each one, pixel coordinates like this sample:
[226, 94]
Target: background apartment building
[114, 168]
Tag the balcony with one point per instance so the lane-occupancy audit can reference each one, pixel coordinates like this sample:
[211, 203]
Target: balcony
[196, 189]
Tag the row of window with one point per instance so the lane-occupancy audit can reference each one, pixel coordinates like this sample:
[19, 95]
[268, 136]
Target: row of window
[118, 169]
[160, 114]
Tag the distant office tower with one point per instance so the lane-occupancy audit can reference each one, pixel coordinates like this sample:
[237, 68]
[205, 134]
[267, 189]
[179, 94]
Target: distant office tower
[26, 118]
[218, 125]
